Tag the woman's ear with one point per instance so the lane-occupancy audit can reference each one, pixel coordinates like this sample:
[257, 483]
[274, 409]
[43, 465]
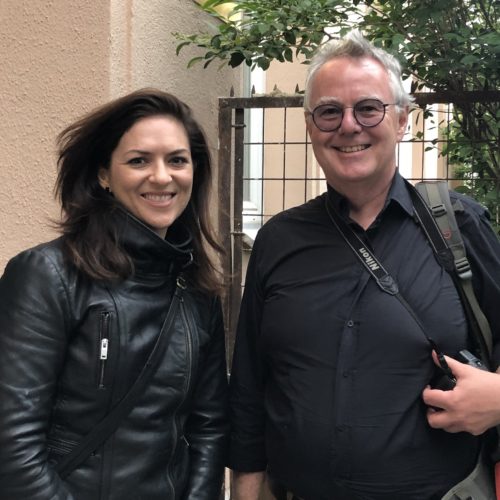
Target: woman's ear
[103, 178]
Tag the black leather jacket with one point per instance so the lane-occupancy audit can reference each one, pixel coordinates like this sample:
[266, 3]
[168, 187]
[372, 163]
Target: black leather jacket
[54, 386]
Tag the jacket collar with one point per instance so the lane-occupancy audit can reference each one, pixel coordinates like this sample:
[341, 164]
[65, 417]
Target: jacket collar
[150, 253]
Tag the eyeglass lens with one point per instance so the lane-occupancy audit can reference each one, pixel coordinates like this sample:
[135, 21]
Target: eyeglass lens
[368, 113]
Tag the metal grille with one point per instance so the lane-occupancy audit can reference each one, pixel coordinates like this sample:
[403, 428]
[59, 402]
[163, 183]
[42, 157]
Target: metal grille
[266, 165]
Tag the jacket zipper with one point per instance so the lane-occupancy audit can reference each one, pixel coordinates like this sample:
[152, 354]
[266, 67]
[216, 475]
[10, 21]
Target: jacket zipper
[103, 347]
[175, 432]
[189, 339]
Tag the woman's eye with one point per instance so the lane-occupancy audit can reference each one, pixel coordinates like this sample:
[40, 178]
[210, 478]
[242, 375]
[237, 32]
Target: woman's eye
[137, 161]
[179, 160]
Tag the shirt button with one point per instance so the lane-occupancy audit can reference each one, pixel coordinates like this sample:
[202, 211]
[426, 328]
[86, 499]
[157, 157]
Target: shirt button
[350, 323]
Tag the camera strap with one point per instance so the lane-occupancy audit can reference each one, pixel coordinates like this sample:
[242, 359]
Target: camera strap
[362, 251]
[383, 279]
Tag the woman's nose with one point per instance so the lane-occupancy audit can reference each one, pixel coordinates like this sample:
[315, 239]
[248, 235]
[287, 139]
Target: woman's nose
[161, 173]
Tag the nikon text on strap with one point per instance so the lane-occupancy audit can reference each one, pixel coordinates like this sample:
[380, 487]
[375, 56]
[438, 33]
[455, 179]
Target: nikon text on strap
[384, 280]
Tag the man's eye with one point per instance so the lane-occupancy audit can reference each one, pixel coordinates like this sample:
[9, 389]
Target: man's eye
[330, 112]
[367, 108]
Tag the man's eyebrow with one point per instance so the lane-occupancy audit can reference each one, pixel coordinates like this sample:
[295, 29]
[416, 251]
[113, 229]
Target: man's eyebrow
[327, 100]
[333, 100]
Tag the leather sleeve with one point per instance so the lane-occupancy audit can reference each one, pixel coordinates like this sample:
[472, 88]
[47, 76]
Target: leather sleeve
[33, 320]
[207, 425]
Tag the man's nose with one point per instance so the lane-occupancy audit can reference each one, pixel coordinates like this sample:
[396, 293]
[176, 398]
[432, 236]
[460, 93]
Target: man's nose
[349, 123]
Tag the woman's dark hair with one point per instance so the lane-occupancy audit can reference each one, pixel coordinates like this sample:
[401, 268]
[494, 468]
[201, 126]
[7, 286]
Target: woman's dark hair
[87, 226]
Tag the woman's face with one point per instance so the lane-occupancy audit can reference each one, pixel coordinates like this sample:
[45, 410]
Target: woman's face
[151, 171]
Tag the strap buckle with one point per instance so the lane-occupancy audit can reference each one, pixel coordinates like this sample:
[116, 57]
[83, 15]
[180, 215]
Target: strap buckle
[438, 210]
[463, 268]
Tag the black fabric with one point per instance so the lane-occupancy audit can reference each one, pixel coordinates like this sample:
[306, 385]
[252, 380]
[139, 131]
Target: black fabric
[328, 370]
[107, 426]
[54, 388]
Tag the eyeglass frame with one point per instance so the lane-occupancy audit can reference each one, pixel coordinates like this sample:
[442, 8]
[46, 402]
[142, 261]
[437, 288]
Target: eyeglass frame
[343, 108]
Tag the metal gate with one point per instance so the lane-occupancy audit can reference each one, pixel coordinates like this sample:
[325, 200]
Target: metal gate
[288, 173]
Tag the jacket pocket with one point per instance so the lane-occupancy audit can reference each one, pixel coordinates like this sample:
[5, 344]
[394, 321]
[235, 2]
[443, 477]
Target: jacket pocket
[57, 448]
[103, 348]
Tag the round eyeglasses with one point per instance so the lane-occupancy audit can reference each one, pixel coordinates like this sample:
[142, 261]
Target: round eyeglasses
[368, 113]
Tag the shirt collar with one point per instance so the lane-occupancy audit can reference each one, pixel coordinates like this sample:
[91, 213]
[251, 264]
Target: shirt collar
[398, 193]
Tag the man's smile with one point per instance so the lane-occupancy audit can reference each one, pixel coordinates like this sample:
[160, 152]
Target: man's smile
[351, 149]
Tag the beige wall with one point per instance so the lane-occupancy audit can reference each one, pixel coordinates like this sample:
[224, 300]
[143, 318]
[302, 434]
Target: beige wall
[286, 76]
[296, 161]
[61, 58]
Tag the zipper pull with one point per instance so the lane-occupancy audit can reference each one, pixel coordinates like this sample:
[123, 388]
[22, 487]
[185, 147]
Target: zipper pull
[104, 349]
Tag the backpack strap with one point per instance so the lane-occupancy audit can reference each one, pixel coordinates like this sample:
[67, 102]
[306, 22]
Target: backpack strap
[437, 197]
[434, 210]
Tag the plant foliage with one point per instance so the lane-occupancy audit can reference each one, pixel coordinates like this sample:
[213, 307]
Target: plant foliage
[444, 45]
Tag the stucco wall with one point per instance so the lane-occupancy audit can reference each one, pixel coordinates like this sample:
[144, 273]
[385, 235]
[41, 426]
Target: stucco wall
[54, 63]
[61, 58]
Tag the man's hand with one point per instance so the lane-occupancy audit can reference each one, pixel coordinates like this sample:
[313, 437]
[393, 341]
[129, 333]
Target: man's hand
[472, 406]
[246, 485]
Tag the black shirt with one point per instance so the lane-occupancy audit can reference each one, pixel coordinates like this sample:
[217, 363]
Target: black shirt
[328, 370]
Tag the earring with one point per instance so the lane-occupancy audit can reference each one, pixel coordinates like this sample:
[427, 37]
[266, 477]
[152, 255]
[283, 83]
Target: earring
[107, 189]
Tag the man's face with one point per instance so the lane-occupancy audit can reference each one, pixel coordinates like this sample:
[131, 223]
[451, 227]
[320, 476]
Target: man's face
[355, 154]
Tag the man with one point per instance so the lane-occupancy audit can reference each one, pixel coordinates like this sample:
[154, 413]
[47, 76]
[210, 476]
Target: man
[329, 385]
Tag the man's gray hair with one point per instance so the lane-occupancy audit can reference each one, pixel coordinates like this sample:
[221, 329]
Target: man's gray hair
[355, 45]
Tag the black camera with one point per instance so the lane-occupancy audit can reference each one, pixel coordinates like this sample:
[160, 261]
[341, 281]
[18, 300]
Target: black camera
[468, 358]
[444, 379]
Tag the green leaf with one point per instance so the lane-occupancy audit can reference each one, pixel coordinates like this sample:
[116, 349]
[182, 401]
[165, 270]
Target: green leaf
[398, 40]
[263, 28]
[288, 53]
[469, 60]
[216, 41]
[263, 63]
[179, 47]
[236, 59]
[290, 37]
[193, 61]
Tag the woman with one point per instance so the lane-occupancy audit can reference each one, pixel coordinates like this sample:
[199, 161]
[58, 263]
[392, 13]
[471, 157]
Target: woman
[80, 315]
